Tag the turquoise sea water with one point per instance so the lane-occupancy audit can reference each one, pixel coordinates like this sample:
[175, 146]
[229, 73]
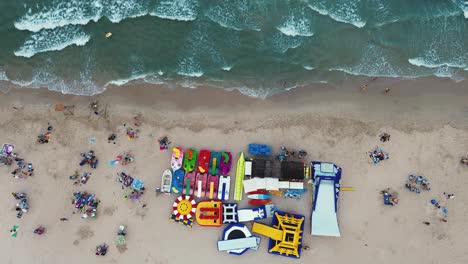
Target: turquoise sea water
[260, 47]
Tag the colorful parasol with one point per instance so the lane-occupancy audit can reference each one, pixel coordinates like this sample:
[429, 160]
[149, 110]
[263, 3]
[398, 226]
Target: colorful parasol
[184, 207]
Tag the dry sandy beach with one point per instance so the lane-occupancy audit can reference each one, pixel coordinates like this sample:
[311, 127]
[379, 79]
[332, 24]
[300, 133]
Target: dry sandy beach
[427, 120]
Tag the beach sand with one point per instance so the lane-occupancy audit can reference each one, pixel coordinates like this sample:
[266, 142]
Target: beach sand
[427, 120]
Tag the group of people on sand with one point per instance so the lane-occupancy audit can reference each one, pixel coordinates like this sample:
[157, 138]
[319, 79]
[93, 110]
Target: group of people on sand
[44, 138]
[414, 183]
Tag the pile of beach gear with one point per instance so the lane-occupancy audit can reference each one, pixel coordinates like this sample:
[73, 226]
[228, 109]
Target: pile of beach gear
[287, 154]
[389, 198]
[8, 158]
[417, 183]
[89, 158]
[377, 155]
[124, 159]
[22, 206]
[125, 179]
[164, 143]
[132, 133]
[86, 203]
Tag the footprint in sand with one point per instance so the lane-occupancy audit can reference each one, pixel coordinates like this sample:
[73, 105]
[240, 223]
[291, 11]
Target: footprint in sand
[85, 232]
[109, 210]
[121, 248]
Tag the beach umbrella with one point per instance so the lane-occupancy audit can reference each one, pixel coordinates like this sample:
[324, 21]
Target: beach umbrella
[120, 240]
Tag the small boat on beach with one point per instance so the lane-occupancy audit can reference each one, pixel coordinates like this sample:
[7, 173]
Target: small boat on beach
[166, 181]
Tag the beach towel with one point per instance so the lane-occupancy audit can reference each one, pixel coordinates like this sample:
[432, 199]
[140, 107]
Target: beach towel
[14, 231]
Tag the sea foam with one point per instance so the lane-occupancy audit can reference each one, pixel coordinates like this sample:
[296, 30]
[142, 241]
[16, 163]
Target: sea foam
[182, 10]
[343, 11]
[296, 26]
[77, 12]
[190, 67]
[237, 14]
[52, 40]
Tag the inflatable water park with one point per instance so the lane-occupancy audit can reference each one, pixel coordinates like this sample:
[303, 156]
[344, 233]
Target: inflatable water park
[210, 187]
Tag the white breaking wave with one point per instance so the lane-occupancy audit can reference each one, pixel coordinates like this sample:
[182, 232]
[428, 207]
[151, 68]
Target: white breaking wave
[282, 43]
[421, 62]
[52, 40]
[463, 5]
[43, 79]
[308, 67]
[121, 82]
[3, 76]
[237, 14]
[296, 26]
[79, 12]
[376, 61]
[226, 68]
[118, 10]
[182, 10]
[189, 67]
[344, 11]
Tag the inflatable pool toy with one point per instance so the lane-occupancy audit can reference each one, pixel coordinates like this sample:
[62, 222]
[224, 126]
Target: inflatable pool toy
[214, 163]
[184, 207]
[230, 213]
[240, 174]
[252, 214]
[285, 234]
[226, 162]
[209, 213]
[177, 158]
[177, 181]
[212, 186]
[326, 193]
[200, 185]
[258, 196]
[189, 183]
[187, 222]
[223, 187]
[237, 239]
[203, 161]
[259, 150]
[190, 160]
[259, 201]
[166, 181]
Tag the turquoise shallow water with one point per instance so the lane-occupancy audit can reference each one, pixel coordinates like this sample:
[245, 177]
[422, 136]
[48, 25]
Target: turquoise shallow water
[260, 47]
